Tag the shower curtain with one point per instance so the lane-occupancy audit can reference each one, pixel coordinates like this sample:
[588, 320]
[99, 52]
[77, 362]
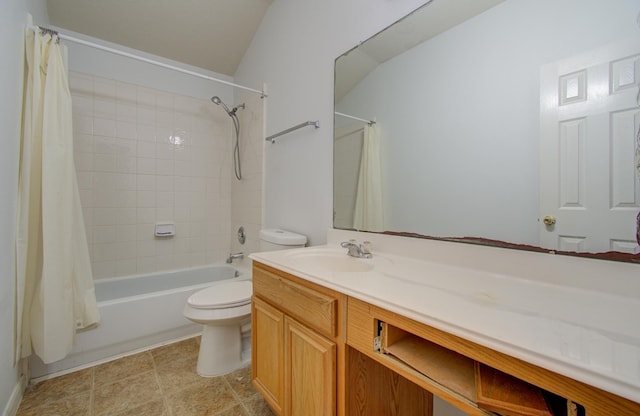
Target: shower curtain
[369, 213]
[54, 284]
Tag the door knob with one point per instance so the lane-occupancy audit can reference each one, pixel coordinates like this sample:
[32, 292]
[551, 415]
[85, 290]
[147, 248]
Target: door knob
[549, 220]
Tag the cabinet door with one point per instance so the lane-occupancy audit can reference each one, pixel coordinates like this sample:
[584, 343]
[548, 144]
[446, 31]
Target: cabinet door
[310, 372]
[267, 353]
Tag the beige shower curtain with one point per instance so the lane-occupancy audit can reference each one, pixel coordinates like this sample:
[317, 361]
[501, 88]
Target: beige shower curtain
[368, 214]
[54, 285]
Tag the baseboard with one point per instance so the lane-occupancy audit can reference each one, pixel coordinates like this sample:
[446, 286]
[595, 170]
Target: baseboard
[11, 409]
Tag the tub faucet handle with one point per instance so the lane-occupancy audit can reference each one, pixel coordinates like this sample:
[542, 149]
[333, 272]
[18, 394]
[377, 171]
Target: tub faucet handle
[233, 256]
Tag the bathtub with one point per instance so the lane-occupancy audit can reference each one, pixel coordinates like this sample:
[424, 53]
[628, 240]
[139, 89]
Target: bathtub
[138, 312]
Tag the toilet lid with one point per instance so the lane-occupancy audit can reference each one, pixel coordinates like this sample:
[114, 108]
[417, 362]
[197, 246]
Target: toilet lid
[222, 295]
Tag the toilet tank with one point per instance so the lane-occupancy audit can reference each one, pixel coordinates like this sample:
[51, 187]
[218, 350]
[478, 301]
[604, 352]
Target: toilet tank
[276, 239]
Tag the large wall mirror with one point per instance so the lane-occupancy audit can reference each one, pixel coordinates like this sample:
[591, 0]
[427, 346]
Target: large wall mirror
[508, 122]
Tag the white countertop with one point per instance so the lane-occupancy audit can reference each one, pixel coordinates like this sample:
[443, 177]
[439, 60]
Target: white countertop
[577, 317]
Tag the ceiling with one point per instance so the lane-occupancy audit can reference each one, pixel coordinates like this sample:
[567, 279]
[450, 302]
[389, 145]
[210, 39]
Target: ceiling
[210, 34]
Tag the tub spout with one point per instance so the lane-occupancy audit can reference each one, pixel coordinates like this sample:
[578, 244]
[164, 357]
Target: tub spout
[234, 256]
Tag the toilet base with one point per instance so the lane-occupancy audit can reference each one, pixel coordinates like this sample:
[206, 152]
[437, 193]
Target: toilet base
[220, 350]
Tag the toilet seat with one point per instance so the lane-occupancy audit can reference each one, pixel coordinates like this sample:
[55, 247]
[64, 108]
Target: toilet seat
[221, 296]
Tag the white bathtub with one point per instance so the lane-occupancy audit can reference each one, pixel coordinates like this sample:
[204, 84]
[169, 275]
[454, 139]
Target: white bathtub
[138, 312]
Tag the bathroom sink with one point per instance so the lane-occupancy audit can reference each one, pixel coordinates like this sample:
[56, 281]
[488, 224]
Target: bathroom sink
[327, 260]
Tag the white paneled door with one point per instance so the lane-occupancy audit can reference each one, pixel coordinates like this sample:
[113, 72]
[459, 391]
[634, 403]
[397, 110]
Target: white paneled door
[589, 117]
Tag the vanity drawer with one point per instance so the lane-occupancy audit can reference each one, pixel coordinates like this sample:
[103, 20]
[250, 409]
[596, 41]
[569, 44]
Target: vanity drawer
[316, 309]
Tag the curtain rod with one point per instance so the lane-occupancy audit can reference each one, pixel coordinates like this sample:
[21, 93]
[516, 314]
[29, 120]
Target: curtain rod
[147, 60]
[370, 122]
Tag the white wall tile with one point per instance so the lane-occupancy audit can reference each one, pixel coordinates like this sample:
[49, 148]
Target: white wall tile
[146, 115]
[103, 269]
[104, 108]
[126, 164]
[147, 264]
[104, 127]
[85, 180]
[127, 250]
[165, 213]
[104, 234]
[82, 105]
[131, 176]
[126, 267]
[80, 83]
[146, 182]
[146, 199]
[147, 132]
[165, 183]
[82, 143]
[126, 129]
[104, 163]
[126, 92]
[82, 124]
[145, 232]
[146, 96]
[126, 216]
[146, 215]
[145, 166]
[104, 88]
[164, 167]
[125, 233]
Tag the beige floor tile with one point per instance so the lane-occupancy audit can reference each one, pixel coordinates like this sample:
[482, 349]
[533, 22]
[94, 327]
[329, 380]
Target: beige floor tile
[59, 387]
[123, 367]
[179, 374]
[72, 405]
[240, 382]
[187, 349]
[153, 408]
[114, 398]
[160, 382]
[202, 399]
[237, 410]
[257, 406]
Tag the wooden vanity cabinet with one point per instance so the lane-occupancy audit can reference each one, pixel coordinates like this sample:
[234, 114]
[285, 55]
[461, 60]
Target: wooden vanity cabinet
[474, 378]
[317, 352]
[297, 344]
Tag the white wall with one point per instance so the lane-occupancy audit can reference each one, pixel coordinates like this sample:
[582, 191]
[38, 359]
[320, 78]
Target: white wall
[12, 23]
[293, 52]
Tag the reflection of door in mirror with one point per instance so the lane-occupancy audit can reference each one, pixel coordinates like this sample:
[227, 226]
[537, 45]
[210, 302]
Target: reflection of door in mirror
[588, 119]
[347, 153]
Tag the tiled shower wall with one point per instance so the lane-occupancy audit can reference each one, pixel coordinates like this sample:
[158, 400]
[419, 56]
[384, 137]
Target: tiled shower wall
[134, 171]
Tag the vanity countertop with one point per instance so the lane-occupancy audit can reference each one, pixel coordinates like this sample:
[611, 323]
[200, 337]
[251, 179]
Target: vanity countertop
[577, 317]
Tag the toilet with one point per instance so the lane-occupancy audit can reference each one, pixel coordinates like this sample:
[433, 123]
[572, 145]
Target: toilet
[272, 239]
[224, 307]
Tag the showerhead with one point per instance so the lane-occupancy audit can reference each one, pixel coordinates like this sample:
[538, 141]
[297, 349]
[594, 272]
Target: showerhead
[216, 100]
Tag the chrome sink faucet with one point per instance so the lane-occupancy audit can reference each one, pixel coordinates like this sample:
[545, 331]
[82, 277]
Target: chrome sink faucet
[234, 256]
[362, 251]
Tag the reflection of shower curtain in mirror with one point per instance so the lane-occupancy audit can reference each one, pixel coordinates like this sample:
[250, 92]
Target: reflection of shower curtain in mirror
[54, 284]
[368, 214]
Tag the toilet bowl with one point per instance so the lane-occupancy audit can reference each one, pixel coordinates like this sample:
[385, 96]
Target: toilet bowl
[221, 309]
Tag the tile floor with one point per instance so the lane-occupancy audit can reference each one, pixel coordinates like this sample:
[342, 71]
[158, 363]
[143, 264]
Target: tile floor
[158, 382]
